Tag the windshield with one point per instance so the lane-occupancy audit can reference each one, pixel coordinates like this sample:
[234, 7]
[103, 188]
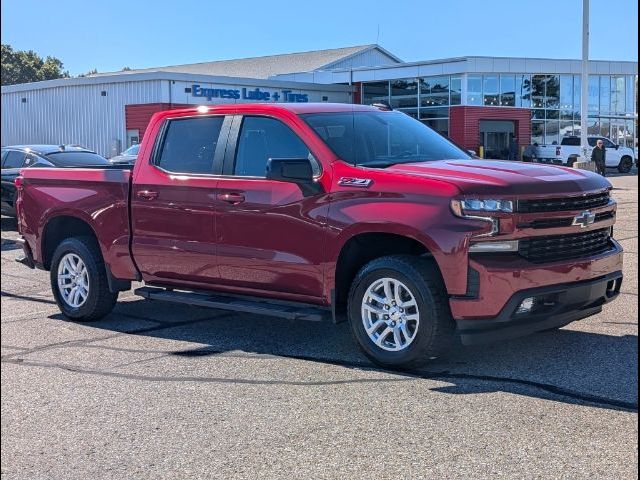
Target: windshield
[132, 150]
[76, 159]
[381, 139]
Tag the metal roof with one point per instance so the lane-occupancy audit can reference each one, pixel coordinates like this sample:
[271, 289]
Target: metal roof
[268, 66]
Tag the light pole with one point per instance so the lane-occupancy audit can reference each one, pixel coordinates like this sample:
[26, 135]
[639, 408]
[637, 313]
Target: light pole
[584, 84]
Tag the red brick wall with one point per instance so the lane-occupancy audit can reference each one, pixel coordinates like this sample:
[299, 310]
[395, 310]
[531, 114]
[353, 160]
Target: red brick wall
[464, 123]
[137, 116]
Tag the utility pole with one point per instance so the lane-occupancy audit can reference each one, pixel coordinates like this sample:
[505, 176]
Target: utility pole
[584, 84]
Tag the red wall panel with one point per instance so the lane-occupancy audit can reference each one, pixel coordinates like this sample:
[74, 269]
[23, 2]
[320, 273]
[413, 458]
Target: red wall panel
[137, 116]
[464, 123]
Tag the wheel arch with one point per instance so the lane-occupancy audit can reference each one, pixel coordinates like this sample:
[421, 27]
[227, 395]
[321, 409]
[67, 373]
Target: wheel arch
[356, 248]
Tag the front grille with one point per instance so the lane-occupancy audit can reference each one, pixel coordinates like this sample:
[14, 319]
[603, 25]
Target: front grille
[565, 247]
[564, 222]
[562, 204]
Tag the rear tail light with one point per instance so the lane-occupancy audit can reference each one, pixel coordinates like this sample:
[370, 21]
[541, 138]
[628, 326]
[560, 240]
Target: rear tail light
[557, 151]
[18, 183]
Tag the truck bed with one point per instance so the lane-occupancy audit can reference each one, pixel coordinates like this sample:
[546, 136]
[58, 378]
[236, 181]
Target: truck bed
[97, 195]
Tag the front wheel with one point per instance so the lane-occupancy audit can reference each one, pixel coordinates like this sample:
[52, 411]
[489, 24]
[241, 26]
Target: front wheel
[626, 164]
[79, 280]
[399, 311]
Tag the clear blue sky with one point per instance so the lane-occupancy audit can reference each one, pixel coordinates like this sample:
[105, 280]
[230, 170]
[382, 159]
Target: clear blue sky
[109, 35]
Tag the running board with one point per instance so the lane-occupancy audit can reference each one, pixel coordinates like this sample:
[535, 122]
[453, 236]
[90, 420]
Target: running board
[255, 305]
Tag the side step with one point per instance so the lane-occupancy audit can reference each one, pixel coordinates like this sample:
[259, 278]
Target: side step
[255, 305]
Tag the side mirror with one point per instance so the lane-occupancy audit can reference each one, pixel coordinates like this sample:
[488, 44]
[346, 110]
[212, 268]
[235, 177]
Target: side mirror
[616, 147]
[293, 170]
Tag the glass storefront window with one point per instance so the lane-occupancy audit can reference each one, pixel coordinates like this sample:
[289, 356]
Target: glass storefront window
[577, 92]
[566, 92]
[537, 90]
[552, 132]
[594, 93]
[375, 92]
[474, 90]
[434, 91]
[507, 91]
[605, 127]
[566, 115]
[441, 126]
[456, 90]
[566, 128]
[537, 113]
[404, 93]
[434, 112]
[617, 95]
[537, 132]
[631, 100]
[552, 91]
[412, 112]
[552, 115]
[605, 95]
[490, 90]
[523, 91]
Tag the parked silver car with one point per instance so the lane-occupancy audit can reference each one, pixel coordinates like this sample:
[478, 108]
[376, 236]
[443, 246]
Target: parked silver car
[127, 157]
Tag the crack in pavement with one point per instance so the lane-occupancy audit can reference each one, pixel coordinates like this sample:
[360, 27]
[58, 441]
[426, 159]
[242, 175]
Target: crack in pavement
[445, 375]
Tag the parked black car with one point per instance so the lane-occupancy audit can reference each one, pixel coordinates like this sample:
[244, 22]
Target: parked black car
[17, 157]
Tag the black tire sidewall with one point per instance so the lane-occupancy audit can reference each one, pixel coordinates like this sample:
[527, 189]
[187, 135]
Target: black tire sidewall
[626, 165]
[93, 264]
[424, 299]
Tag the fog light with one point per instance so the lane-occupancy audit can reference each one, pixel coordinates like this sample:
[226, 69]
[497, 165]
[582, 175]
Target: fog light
[526, 306]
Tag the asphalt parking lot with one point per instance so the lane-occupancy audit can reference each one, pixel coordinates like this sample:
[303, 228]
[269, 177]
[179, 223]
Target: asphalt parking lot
[164, 391]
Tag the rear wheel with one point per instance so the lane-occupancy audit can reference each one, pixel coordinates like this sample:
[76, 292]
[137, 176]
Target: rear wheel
[79, 280]
[572, 161]
[626, 164]
[399, 311]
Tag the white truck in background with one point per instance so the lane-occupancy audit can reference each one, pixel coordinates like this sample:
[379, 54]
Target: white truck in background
[619, 157]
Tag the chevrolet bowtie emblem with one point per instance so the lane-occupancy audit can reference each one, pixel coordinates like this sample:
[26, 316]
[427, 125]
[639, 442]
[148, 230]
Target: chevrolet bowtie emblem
[585, 219]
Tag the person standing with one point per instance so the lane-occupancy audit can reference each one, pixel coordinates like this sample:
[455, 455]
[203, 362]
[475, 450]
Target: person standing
[599, 156]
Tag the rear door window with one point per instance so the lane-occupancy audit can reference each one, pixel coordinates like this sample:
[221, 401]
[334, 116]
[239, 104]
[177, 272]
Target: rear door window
[189, 145]
[262, 138]
[571, 141]
[13, 159]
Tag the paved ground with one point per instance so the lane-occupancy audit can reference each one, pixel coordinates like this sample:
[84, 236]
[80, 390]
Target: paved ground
[163, 391]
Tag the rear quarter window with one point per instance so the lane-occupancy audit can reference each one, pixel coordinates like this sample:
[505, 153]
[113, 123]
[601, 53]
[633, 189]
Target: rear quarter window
[189, 145]
[76, 159]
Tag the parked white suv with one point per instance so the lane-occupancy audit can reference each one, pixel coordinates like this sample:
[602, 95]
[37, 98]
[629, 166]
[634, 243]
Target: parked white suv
[568, 151]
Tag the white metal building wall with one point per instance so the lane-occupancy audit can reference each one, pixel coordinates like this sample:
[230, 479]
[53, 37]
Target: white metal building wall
[369, 58]
[74, 114]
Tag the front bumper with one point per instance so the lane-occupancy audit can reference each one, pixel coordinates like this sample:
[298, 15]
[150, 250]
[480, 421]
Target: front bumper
[558, 306]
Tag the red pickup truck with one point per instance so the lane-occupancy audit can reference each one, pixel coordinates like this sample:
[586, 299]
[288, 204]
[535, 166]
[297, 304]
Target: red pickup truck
[308, 211]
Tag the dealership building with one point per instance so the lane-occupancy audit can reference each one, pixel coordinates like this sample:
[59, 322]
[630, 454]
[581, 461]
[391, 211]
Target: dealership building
[491, 102]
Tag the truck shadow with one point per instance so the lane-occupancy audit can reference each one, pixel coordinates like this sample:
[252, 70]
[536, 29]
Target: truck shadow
[568, 366]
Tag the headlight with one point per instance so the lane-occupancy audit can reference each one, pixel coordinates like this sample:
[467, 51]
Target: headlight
[487, 205]
[476, 209]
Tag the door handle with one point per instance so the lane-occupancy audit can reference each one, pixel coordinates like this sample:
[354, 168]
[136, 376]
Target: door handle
[233, 198]
[146, 194]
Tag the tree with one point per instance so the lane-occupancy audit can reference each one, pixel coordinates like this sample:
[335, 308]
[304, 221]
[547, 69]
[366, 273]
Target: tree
[93, 71]
[20, 66]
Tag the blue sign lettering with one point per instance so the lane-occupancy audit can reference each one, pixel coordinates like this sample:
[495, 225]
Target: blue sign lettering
[255, 95]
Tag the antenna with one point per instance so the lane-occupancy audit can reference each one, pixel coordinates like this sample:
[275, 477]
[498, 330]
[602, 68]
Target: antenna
[378, 35]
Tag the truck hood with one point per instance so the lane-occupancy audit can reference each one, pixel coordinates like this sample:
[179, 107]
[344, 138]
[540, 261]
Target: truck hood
[505, 178]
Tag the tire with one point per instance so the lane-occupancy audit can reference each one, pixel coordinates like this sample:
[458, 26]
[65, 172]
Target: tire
[435, 329]
[571, 161]
[99, 300]
[626, 164]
